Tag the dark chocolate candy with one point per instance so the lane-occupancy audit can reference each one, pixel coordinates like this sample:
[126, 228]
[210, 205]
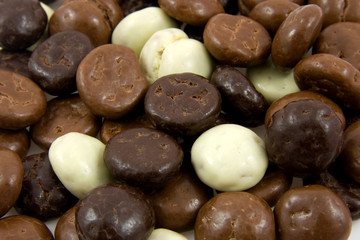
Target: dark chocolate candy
[42, 196]
[183, 104]
[22, 23]
[115, 211]
[54, 63]
[15, 140]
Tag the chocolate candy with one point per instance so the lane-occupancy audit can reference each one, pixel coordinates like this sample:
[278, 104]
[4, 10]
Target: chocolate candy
[130, 6]
[196, 13]
[335, 178]
[24, 227]
[331, 76]
[237, 40]
[296, 35]
[349, 154]
[65, 227]
[42, 195]
[115, 211]
[341, 40]
[54, 62]
[304, 133]
[63, 115]
[143, 157]
[21, 23]
[110, 82]
[312, 212]
[240, 99]
[15, 61]
[245, 6]
[15, 140]
[272, 186]
[22, 103]
[183, 104]
[11, 172]
[77, 160]
[177, 204]
[229, 157]
[235, 215]
[272, 13]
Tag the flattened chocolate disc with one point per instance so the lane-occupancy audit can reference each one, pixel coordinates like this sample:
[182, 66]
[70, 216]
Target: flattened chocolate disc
[183, 104]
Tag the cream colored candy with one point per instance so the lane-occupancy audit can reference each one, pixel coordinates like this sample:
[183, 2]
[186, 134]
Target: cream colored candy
[136, 28]
[77, 160]
[229, 157]
[171, 51]
[165, 234]
[271, 82]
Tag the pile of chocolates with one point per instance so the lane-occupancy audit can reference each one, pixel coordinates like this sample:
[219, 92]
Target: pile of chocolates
[177, 119]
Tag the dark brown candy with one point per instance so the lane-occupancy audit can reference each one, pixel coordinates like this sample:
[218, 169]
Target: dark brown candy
[272, 13]
[22, 102]
[15, 140]
[65, 227]
[237, 40]
[304, 133]
[42, 196]
[196, 13]
[312, 212]
[54, 63]
[130, 6]
[63, 115]
[331, 76]
[15, 61]
[143, 157]
[235, 215]
[177, 204]
[22, 227]
[296, 35]
[183, 104]
[272, 186]
[341, 40]
[110, 82]
[22, 23]
[115, 211]
[240, 98]
[11, 176]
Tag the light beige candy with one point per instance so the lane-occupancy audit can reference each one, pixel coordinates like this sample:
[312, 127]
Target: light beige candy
[229, 157]
[271, 82]
[77, 160]
[136, 28]
[165, 234]
[171, 51]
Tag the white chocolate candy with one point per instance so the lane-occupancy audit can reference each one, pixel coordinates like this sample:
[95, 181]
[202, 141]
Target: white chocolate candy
[136, 28]
[170, 51]
[271, 82]
[77, 160]
[229, 157]
[165, 234]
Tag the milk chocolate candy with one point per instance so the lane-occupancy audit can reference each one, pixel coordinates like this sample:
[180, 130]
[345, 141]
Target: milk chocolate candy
[133, 214]
[237, 40]
[12, 173]
[24, 227]
[235, 215]
[54, 62]
[21, 23]
[110, 82]
[196, 13]
[296, 35]
[15, 61]
[304, 133]
[15, 140]
[312, 212]
[240, 99]
[22, 103]
[341, 40]
[143, 157]
[183, 104]
[65, 227]
[63, 115]
[331, 76]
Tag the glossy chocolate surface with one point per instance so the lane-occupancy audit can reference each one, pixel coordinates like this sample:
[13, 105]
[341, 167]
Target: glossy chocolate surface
[15, 140]
[65, 227]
